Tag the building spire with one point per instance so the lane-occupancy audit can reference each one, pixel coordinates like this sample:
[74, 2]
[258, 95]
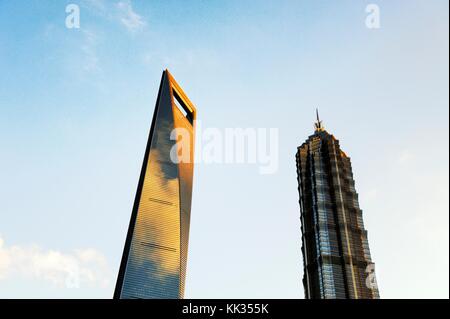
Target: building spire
[318, 125]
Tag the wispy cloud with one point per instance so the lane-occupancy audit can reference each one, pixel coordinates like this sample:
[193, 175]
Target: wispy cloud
[71, 270]
[128, 17]
[88, 48]
[121, 12]
[97, 5]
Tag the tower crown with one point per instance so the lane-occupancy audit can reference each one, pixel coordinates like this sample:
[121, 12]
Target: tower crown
[318, 125]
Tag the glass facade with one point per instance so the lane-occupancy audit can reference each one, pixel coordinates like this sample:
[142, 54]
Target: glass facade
[155, 255]
[336, 256]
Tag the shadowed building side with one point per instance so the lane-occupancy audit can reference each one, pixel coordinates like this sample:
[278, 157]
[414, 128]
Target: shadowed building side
[336, 255]
[154, 260]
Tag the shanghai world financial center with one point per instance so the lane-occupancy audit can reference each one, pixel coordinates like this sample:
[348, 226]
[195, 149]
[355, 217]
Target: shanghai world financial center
[335, 249]
[154, 259]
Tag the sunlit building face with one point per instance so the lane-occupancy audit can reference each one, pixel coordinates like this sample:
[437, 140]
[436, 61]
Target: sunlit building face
[336, 256]
[155, 255]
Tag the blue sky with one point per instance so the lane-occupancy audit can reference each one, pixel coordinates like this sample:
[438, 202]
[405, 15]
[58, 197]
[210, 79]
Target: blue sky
[76, 105]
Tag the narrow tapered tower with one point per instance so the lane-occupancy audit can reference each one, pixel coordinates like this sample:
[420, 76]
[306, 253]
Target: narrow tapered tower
[336, 256]
[155, 255]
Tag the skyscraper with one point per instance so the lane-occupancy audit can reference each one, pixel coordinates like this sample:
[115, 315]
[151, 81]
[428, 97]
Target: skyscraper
[154, 259]
[336, 256]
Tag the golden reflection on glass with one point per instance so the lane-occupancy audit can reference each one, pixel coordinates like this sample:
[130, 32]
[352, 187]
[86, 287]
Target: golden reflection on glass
[156, 264]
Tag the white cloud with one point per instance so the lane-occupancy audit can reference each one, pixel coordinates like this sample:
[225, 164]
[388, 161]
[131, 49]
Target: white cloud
[88, 47]
[121, 12]
[96, 5]
[128, 17]
[71, 270]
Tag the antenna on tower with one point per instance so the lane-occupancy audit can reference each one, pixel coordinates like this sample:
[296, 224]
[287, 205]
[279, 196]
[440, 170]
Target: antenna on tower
[318, 125]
